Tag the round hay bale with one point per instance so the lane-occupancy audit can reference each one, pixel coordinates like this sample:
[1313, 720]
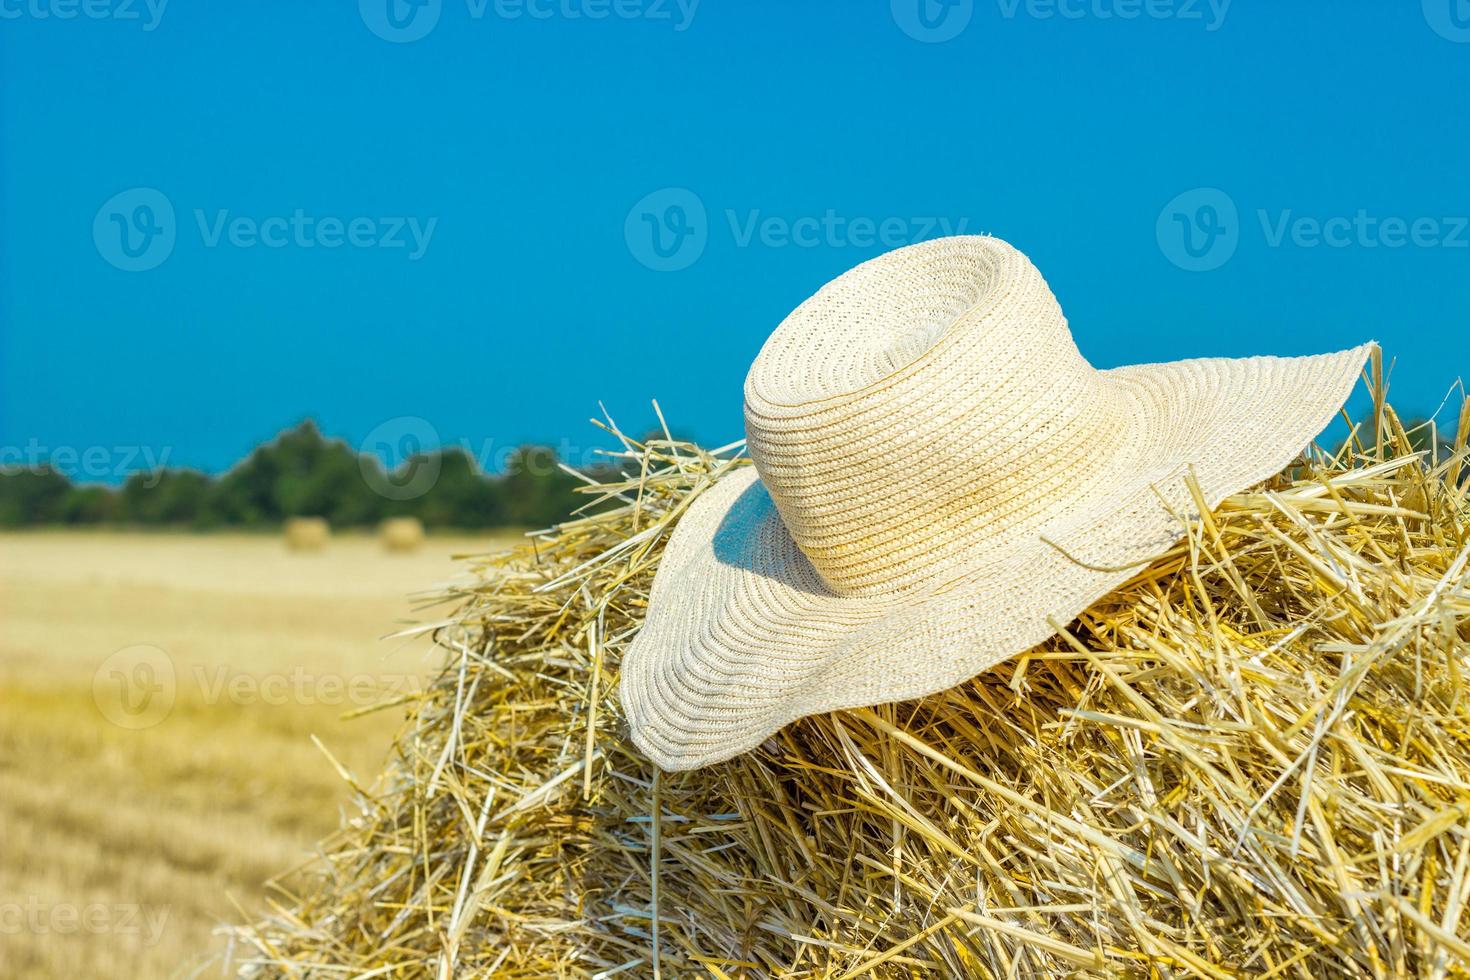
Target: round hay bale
[401, 534]
[1252, 759]
[307, 533]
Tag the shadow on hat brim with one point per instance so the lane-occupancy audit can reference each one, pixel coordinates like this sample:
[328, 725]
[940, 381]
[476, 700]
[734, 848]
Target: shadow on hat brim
[743, 637]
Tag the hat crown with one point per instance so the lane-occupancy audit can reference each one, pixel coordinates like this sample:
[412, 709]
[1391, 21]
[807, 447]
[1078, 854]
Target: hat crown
[927, 402]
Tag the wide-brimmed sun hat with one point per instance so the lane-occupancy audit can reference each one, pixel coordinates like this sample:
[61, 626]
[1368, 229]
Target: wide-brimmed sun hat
[941, 482]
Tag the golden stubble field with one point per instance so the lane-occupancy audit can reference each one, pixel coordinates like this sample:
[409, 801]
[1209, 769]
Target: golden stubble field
[158, 694]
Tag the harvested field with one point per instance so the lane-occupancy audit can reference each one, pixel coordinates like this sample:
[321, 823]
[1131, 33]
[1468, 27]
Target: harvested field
[125, 840]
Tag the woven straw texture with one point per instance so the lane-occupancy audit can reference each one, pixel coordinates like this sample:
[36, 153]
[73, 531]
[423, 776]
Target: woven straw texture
[941, 481]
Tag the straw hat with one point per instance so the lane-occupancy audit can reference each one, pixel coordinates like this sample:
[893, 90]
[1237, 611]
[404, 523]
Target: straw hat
[941, 481]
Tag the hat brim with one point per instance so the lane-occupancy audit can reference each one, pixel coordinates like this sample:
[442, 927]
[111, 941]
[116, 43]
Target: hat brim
[742, 637]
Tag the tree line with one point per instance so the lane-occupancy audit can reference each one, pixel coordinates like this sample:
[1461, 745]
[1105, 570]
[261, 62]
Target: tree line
[303, 474]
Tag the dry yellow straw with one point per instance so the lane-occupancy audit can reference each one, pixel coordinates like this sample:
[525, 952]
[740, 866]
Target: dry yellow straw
[1251, 760]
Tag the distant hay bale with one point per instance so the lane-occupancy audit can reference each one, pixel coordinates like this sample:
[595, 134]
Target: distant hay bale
[1252, 759]
[401, 534]
[307, 533]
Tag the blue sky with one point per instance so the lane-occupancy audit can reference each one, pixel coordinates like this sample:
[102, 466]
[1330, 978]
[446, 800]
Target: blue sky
[530, 143]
